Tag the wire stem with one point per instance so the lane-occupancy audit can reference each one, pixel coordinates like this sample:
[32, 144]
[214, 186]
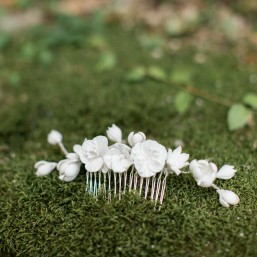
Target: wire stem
[215, 187]
[63, 149]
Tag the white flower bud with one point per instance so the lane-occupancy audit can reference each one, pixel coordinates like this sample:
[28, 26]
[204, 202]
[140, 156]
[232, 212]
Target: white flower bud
[226, 172]
[69, 168]
[54, 137]
[135, 138]
[227, 198]
[203, 172]
[114, 133]
[44, 168]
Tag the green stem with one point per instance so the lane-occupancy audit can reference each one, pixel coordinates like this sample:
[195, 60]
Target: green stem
[203, 94]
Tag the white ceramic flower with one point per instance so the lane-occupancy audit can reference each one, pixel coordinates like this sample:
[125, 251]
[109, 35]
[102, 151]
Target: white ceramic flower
[134, 138]
[226, 172]
[44, 168]
[203, 172]
[91, 153]
[177, 160]
[149, 157]
[121, 147]
[227, 198]
[54, 137]
[118, 158]
[114, 133]
[69, 168]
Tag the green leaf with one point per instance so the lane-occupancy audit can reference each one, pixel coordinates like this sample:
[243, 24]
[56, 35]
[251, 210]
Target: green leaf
[106, 62]
[180, 77]
[175, 27]
[14, 79]
[45, 57]
[24, 4]
[238, 116]
[183, 101]
[28, 51]
[137, 74]
[251, 100]
[97, 41]
[98, 20]
[151, 42]
[4, 40]
[157, 73]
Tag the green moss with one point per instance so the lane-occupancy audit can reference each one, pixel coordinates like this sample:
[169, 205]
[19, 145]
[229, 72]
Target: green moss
[44, 217]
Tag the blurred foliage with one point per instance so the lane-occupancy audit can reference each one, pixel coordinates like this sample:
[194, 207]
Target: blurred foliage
[4, 40]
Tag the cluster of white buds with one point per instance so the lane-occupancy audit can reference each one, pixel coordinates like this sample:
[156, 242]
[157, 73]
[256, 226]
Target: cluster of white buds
[144, 166]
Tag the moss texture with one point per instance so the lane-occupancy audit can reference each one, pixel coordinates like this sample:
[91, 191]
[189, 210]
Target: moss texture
[45, 217]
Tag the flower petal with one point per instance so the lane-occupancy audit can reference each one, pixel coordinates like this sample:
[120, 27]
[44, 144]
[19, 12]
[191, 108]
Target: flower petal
[121, 147]
[46, 169]
[155, 165]
[176, 171]
[39, 163]
[178, 150]
[68, 179]
[61, 166]
[223, 202]
[117, 165]
[104, 168]
[101, 143]
[72, 156]
[226, 172]
[72, 169]
[94, 165]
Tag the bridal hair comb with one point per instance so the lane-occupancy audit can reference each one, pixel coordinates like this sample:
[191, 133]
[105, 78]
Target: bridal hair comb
[141, 167]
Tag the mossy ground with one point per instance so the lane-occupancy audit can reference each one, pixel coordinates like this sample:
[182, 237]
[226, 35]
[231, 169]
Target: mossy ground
[45, 217]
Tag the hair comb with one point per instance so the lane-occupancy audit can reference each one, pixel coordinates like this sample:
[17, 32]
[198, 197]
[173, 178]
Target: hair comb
[140, 165]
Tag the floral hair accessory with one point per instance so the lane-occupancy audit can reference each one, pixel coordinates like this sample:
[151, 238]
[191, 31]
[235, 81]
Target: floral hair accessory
[143, 166]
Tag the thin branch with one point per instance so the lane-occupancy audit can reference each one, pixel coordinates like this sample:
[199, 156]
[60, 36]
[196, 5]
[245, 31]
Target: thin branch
[203, 94]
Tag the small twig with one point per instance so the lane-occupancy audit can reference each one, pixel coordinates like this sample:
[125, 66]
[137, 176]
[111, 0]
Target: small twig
[203, 94]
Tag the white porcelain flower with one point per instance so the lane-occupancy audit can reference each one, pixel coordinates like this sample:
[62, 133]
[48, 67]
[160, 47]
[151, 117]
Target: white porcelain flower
[91, 153]
[203, 172]
[226, 172]
[54, 137]
[121, 147]
[114, 133]
[177, 160]
[118, 158]
[227, 198]
[149, 157]
[69, 168]
[134, 138]
[44, 168]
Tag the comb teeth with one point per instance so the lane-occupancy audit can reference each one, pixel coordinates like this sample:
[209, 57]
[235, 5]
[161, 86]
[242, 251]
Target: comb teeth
[113, 185]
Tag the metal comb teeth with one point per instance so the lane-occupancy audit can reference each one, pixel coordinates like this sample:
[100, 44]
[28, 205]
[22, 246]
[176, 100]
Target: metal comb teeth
[113, 185]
